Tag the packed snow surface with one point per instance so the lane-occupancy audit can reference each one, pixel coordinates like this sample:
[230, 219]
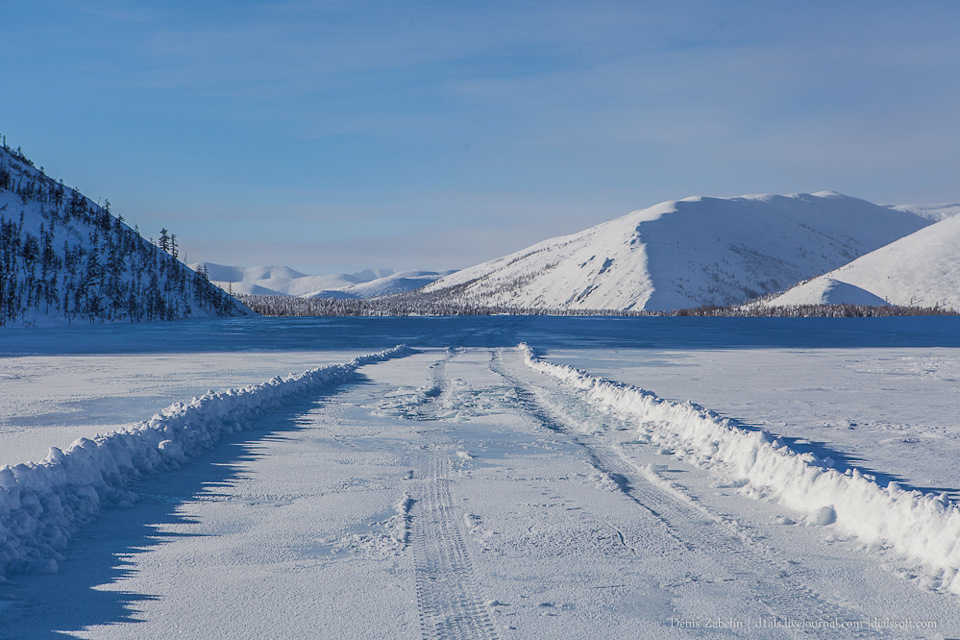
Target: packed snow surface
[686, 253]
[278, 280]
[925, 527]
[464, 488]
[922, 269]
[42, 503]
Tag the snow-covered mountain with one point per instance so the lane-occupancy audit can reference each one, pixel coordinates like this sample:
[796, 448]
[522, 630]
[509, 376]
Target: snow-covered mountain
[934, 212]
[921, 269]
[686, 253]
[64, 258]
[274, 280]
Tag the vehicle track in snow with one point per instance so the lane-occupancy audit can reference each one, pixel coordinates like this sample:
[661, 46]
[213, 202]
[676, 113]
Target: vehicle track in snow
[784, 595]
[447, 594]
[448, 598]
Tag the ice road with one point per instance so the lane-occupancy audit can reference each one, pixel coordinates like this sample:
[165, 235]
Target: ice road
[471, 488]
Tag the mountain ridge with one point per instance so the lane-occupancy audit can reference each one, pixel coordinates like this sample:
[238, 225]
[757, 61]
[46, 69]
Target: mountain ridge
[284, 281]
[685, 253]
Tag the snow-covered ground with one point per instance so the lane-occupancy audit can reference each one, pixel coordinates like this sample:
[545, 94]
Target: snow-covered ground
[459, 491]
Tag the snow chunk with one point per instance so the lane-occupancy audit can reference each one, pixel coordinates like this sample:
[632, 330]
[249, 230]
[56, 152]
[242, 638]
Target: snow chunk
[822, 517]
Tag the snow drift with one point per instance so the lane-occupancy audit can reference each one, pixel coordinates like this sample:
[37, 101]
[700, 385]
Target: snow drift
[921, 269]
[42, 504]
[685, 253]
[923, 527]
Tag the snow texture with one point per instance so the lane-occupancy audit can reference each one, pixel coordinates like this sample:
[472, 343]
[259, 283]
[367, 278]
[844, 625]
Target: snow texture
[922, 527]
[921, 269]
[686, 253]
[42, 504]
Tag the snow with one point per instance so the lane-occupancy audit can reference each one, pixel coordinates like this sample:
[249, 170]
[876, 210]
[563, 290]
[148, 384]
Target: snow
[825, 290]
[279, 280]
[924, 527]
[67, 259]
[42, 503]
[935, 212]
[451, 490]
[920, 269]
[686, 253]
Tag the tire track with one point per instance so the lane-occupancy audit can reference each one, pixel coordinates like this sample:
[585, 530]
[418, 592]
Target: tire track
[783, 595]
[447, 594]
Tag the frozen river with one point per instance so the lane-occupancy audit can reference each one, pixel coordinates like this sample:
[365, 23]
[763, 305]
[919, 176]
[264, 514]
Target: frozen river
[456, 491]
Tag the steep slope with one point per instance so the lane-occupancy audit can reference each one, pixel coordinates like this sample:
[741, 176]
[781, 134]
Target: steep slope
[686, 253]
[64, 258]
[273, 280]
[922, 269]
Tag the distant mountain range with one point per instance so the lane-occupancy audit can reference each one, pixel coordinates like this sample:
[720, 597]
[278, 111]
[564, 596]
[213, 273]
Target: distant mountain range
[64, 258]
[687, 253]
[275, 280]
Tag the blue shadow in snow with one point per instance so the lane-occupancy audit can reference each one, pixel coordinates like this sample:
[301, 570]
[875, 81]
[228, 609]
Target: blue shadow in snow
[47, 607]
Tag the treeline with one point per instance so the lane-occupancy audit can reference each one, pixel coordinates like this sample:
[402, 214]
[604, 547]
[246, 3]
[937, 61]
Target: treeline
[815, 311]
[395, 305]
[61, 255]
[411, 304]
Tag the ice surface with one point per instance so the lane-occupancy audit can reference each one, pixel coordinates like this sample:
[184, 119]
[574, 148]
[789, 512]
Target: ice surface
[456, 488]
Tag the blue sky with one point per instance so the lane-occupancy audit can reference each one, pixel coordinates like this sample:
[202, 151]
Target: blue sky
[338, 135]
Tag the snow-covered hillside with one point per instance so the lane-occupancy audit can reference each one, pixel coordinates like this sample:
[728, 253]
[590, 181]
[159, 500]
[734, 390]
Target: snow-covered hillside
[922, 269]
[273, 281]
[935, 212]
[686, 253]
[64, 258]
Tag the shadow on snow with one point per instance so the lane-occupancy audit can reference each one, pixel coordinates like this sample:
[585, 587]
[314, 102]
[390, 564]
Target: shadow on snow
[44, 607]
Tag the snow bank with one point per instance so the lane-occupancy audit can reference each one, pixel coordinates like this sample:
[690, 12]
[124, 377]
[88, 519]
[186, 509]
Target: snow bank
[42, 504]
[922, 527]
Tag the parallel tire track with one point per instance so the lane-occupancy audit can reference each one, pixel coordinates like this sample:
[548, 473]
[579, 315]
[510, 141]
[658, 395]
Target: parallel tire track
[447, 594]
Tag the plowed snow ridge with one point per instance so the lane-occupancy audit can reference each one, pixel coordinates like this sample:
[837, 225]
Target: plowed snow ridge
[923, 527]
[42, 504]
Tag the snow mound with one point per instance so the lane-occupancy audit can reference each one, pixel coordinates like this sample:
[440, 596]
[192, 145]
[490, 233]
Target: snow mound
[42, 504]
[922, 527]
[920, 269]
[685, 253]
